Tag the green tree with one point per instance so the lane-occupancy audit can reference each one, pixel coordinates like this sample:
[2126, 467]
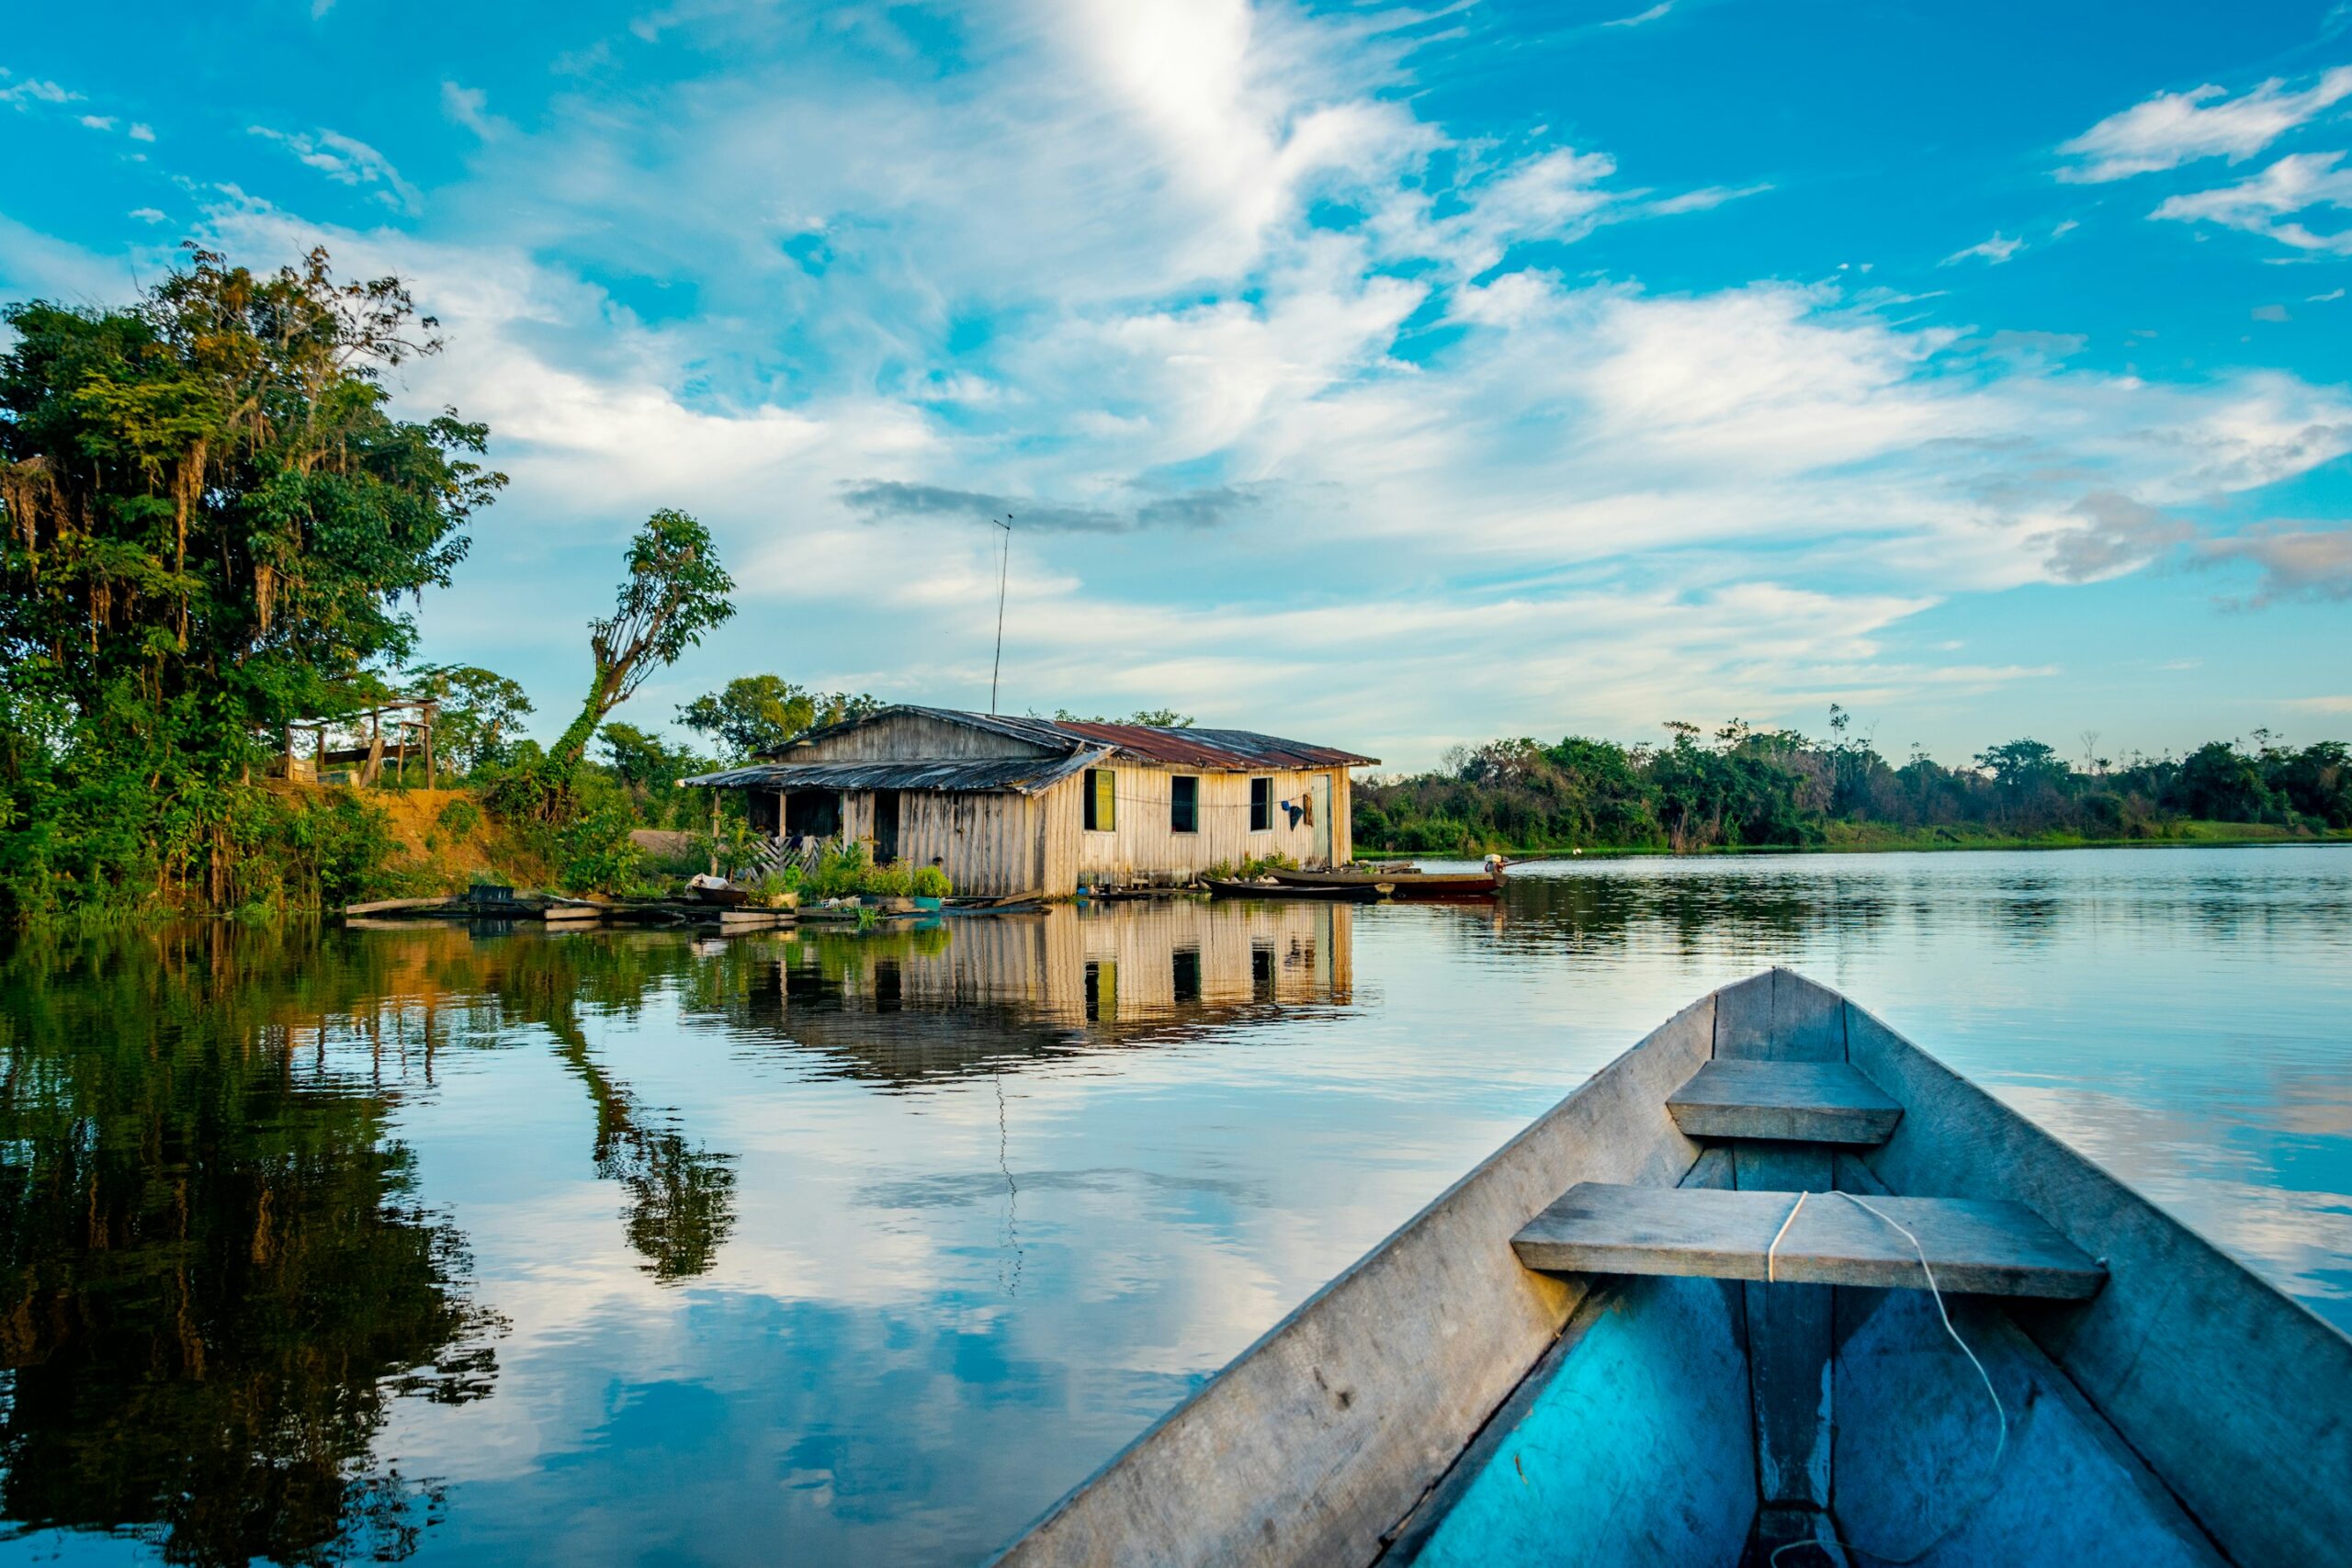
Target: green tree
[648, 769]
[674, 593]
[209, 523]
[754, 715]
[479, 711]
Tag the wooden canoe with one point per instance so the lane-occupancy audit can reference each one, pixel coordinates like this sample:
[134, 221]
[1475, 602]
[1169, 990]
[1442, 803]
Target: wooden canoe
[1623, 1340]
[1404, 884]
[1355, 891]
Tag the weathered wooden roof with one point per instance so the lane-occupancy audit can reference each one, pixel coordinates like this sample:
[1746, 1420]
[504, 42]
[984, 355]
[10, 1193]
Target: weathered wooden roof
[1019, 776]
[1215, 750]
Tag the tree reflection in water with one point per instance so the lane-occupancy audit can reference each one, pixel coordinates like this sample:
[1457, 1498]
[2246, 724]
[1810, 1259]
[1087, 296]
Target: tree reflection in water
[214, 1274]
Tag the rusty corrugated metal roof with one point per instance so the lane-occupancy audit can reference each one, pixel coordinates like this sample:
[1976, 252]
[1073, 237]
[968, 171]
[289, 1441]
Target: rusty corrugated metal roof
[1019, 776]
[1225, 750]
[1222, 750]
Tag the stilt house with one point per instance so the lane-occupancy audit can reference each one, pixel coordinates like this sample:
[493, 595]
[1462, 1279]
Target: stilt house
[1008, 804]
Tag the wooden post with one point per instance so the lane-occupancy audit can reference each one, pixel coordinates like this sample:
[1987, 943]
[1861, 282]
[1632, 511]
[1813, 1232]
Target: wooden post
[432, 712]
[713, 830]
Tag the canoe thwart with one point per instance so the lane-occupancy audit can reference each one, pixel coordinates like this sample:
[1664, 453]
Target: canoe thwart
[1820, 1102]
[1975, 1247]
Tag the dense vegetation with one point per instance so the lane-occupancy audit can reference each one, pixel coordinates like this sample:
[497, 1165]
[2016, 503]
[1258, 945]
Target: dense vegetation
[209, 523]
[1755, 788]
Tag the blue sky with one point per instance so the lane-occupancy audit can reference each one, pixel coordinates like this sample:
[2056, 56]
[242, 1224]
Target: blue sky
[1387, 377]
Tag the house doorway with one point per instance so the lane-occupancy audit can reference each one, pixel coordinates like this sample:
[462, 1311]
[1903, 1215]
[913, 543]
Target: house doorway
[886, 827]
[1321, 789]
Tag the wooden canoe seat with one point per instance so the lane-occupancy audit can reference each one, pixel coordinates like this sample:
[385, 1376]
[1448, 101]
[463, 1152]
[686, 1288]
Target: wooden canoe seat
[1988, 1248]
[1788, 1101]
[1819, 1102]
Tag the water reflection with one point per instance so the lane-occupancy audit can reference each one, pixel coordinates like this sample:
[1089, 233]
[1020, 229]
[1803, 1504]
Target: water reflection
[986, 995]
[607, 1247]
[215, 1268]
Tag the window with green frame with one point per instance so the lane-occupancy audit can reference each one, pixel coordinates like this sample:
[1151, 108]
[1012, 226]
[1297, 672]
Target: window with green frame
[1101, 800]
[1183, 804]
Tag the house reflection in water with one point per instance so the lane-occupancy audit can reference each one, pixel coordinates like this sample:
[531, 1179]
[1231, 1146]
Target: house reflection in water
[972, 996]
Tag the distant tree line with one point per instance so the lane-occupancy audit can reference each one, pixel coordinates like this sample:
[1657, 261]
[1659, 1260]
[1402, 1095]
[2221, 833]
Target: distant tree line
[1744, 786]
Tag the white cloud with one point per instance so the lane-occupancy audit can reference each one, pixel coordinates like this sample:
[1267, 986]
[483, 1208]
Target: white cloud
[2173, 128]
[147, 214]
[1994, 251]
[469, 106]
[347, 161]
[1220, 251]
[1652, 14]
[35, 90]
[141, 132]
[98, 121]
[2259, 206]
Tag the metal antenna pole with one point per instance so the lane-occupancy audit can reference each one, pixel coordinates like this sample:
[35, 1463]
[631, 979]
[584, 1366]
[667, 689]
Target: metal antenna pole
[1004, 562]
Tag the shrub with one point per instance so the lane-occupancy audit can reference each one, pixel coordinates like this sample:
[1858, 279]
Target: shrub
[459, 818]
[931, 883]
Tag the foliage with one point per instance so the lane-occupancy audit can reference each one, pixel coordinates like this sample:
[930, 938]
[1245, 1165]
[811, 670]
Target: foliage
[219, 1272]
[845, 870]
[1252, 869]
[648, 769]
[1745, 788]
[209, 523]
[479, 713]
[459, 818]
[754, 715]
[674, 593]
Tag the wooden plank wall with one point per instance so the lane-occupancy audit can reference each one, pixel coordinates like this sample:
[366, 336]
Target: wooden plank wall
[906, 735]
[1145, 848]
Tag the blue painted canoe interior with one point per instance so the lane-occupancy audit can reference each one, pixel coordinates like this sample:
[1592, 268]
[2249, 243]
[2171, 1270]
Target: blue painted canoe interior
[1638, 1446]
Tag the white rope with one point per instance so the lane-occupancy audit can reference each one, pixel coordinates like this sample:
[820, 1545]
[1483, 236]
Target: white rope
[2000, 1412]
[1771, 1253]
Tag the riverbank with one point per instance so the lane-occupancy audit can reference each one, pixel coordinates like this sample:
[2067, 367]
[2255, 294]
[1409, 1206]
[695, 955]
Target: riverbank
[1870, 837]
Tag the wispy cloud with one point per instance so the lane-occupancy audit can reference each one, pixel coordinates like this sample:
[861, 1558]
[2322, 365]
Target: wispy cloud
[2262, 205]
[36, 90]
[1994, 251]
[1652, 14]
[897, 498]
[346, 160]
[2297, 561]
[2173, 128]
[469, 106]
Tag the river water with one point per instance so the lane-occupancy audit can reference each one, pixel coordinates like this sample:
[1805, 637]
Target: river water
[599, 1247]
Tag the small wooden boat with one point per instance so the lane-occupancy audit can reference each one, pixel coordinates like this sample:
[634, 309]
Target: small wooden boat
[1694, 1315]
[1352, 891]
[725, 897]
[1405, 884]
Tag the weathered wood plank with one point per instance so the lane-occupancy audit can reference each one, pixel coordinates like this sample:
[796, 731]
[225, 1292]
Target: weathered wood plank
[1992, 1248]
[2235, 1394]
[1826, 1102]
[1780, 1015]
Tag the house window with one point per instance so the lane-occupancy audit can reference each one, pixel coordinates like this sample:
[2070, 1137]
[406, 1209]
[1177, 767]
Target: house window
[1101, 800]
[1183, 804]
[1261, 805]
[1185, 974]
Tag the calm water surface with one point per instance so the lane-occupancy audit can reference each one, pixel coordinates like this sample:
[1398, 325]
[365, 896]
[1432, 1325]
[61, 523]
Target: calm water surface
[605, 1247]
